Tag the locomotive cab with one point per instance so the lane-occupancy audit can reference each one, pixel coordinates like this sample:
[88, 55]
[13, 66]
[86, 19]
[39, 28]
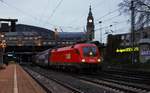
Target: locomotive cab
[90, 54]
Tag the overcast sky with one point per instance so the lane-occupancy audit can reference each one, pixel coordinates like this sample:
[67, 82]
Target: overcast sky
[69, 15]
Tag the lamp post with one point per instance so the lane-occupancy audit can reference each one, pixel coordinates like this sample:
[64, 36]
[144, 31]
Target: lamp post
[132, 29]
[3, 49]
[2, 46]
[110, 28]
[100, 22]
[56, 36]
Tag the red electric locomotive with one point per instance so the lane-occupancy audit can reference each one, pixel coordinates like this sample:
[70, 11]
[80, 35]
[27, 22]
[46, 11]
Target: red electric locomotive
[76, 56]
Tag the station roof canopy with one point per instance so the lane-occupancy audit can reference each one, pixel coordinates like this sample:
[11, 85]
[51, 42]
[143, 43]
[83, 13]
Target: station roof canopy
[14, 34]
[33, 30]
[15, 20]
[71, 35]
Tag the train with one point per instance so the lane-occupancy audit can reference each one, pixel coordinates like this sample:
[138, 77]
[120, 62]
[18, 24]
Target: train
[77, 56]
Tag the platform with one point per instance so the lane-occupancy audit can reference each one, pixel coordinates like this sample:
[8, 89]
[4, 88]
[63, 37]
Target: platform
[13, 79]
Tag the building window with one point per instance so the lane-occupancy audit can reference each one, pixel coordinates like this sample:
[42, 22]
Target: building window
[10, 38]
[145, 35]
[35, 38]
[63, 42]
[30, 38]
[49, 43]
[44, 43]
[122, 37]
[26, 38]
[14, 38]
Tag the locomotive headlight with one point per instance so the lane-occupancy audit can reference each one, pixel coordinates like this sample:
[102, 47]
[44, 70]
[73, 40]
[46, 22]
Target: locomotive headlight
[83, 60]
[91, 53]
[98, 60]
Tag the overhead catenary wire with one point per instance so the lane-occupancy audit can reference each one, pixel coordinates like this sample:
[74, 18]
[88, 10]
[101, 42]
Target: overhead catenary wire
[43, 13]
[109, 13]
[24, 12]
[55, 9]
[98, 4]
[19, 10]
[52, 14]
[121, 28]
[109, 19]
[118, 23]
[83, 15]
[104, 21]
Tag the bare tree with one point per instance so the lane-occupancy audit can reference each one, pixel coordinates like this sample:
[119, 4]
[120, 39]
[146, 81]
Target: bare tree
[142, 11]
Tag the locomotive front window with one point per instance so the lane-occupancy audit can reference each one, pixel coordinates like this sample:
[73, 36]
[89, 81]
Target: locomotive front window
[89, 51]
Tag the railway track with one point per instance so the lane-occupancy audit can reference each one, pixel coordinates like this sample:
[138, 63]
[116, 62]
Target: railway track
[105, 82]
[121, 86]
[136, 80]
[137, 74]
[126, 78]
[122, 82]
[133, 79]
[75, 84]
[46, 82]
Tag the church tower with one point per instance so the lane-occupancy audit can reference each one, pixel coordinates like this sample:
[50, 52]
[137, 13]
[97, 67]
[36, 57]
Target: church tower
[90, 26]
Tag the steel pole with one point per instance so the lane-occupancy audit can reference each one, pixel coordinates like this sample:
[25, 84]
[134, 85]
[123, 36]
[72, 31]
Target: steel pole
[132, 29]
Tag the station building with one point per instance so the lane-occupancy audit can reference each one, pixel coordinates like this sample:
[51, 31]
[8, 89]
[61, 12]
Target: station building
[119, 47]
[26, 40]
[27, 35]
